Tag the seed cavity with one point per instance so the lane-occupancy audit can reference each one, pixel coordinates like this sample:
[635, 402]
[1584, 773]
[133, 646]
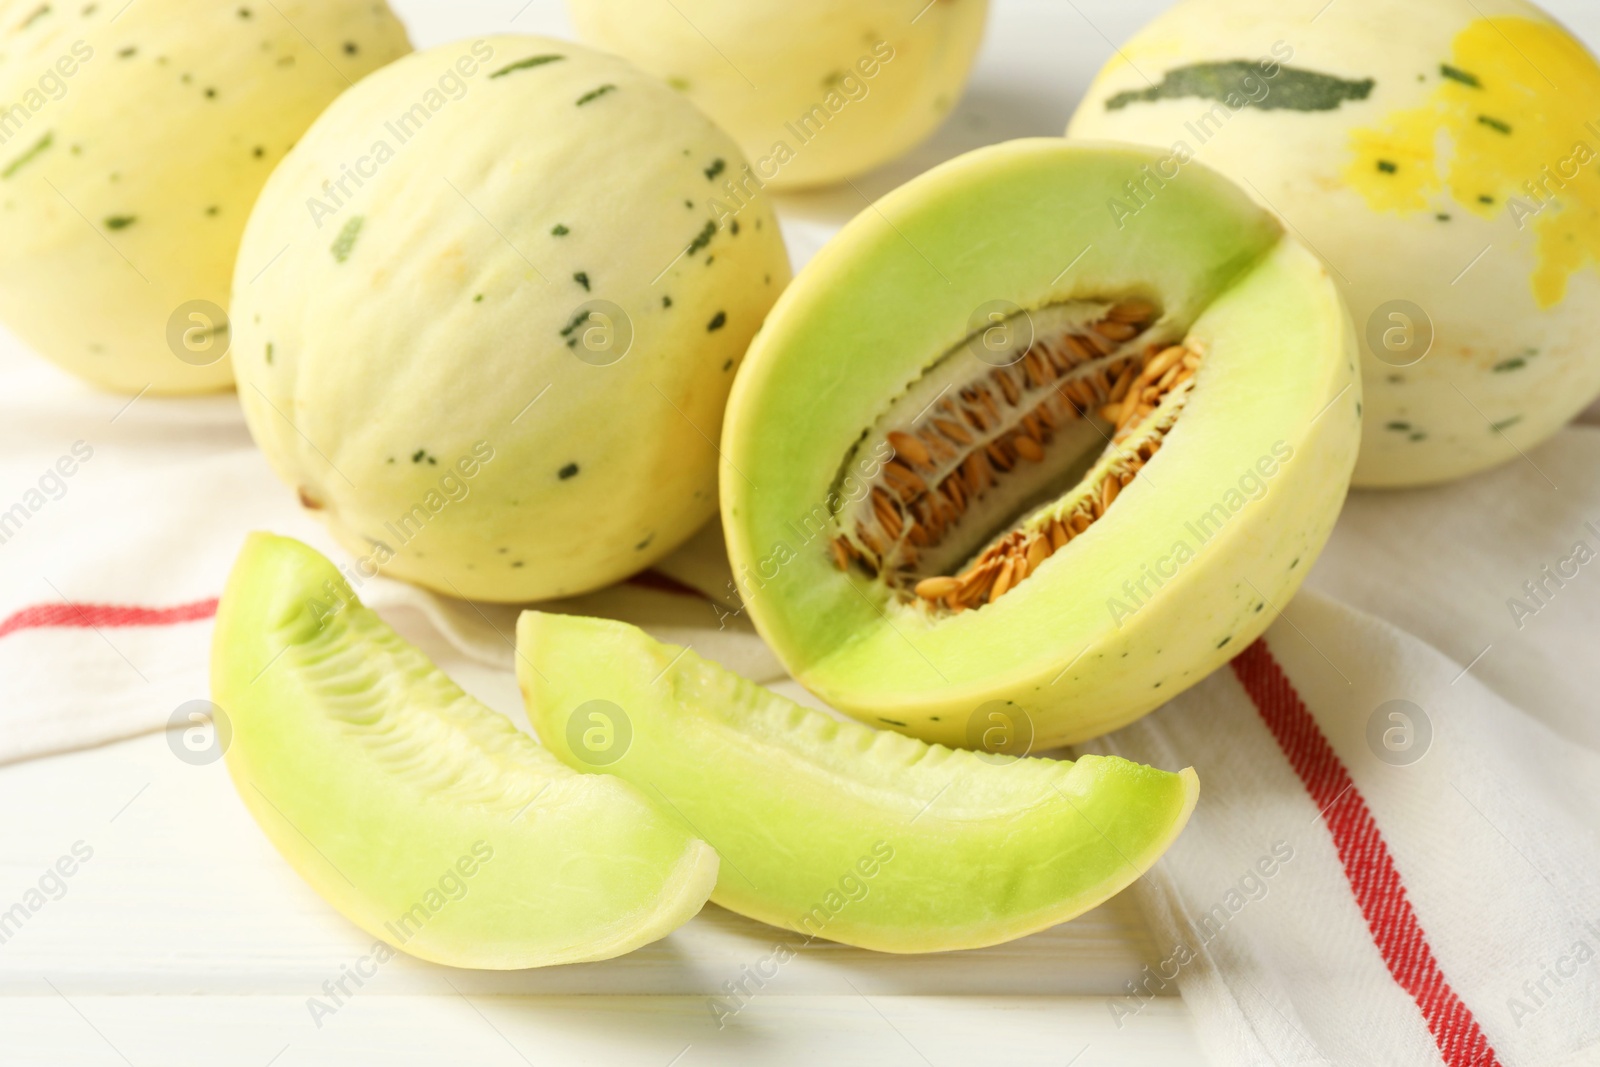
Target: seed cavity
[965, 451]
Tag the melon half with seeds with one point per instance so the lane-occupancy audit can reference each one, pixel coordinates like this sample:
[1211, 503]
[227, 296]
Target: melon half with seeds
[424, 817]
[486, 317]
[998, 447]
[1446, 167]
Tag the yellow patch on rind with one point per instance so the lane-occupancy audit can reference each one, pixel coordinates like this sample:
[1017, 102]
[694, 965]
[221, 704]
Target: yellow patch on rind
[1503, 133]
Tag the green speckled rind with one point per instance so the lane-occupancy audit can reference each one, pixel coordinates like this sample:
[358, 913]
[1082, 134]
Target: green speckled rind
[487, 317]
[425, 818]
[1029, 222]
[134, 139]
[834, 830]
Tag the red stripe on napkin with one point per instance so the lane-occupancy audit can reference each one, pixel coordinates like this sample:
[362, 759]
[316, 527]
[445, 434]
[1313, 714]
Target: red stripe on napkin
[1367, 863]
[94, 616]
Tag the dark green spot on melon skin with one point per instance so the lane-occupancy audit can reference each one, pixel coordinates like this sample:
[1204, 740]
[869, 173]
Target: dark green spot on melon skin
[577, 320]
[642, 545]
[1224, 641]
[559, 230]
[1461, 76]
[269, 363]
[1485, 199]
[666, 301]
[703, 238]
[582, 278]
[478, 299]
[1506, 424]
[718, 321]
[728, 365]
[1400, 427]
[120, 222]
[1387, 167]
[1442, 217]
[40, 146]
[128, 52]
[525, 64]
[569, 471]
[892, 722]
[1514, 363]
[1495, 124]
[595, 94]
[1292, 90]
[345, 243]
[716, 168]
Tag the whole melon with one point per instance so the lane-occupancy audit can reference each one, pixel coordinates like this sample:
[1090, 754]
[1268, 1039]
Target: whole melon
[133, 141]
[487, 317]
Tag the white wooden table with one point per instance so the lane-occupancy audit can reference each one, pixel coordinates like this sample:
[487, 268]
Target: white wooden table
[186, 940]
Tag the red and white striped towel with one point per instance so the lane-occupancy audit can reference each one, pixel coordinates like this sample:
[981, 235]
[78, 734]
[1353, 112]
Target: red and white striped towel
[1396, 855]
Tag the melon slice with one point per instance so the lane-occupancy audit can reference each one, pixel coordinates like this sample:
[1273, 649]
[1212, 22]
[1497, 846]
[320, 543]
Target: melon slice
[424, 817]
[835, 830]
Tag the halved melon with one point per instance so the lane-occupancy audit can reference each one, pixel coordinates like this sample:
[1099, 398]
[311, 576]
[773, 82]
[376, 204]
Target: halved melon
[1062, 425]
[835, 830]
[424, 817]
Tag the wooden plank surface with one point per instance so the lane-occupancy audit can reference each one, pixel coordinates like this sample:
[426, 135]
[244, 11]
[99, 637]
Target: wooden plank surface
[842, 1031]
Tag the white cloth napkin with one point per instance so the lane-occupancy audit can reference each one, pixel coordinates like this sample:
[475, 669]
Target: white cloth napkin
[1327, 904]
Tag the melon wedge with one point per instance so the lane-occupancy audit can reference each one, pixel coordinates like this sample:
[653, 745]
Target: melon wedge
[424, 817]
[833, 829]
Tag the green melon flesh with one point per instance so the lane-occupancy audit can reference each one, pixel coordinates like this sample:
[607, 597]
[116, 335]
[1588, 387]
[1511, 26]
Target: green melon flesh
[1038, 224]
[838, 831]
[424, 817]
